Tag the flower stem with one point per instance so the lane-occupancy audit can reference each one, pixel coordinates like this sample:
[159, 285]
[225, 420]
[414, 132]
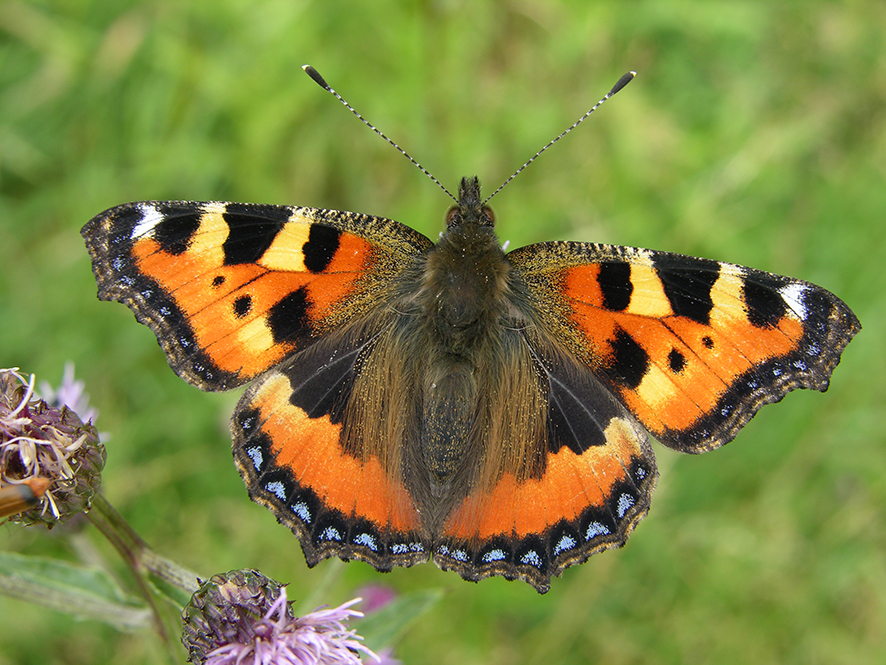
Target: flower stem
[143, 561]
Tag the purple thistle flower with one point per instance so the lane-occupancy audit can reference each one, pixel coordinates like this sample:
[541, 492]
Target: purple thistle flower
[71, 394]
[243, 618]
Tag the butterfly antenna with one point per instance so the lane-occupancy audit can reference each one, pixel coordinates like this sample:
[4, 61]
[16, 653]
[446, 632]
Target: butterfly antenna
[314, 74]
[622, 82]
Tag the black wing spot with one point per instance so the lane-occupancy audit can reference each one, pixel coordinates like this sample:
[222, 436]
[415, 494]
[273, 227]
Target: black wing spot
[676, 361]
[288, 319]
[765, 306]
[630, 361]
[320, 248]
[218, 281]
[687, 284]
[252, 229]
[242, 306]
[175, 232]
[615, 284]
[708, 342]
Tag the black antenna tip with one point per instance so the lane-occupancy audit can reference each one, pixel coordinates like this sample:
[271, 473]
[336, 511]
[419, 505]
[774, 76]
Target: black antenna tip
[622, 82]
[314, 74]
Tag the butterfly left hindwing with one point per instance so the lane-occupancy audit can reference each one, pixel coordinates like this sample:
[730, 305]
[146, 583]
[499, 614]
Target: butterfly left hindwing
[339, 490]
[414, 401]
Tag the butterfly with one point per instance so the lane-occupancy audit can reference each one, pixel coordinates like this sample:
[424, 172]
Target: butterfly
[412, 400]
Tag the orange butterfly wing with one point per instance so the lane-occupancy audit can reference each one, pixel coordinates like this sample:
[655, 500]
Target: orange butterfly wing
[576, 488]
[232, 289]
[692, 347]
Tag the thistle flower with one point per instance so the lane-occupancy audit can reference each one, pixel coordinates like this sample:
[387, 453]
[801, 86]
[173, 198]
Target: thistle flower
[38, 440]
[244, 617]
[71, 394]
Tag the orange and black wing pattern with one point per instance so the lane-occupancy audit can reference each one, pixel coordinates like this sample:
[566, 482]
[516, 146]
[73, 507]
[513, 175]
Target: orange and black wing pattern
[557, 488]
[238, 291]
[232, 289]
[341, 490]
[414, 401]
[692, 347]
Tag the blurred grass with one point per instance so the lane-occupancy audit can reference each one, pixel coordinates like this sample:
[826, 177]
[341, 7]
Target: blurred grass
[754, 133]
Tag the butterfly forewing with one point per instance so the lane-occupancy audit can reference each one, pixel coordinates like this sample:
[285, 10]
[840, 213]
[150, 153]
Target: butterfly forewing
[232, 289]
[692, 347]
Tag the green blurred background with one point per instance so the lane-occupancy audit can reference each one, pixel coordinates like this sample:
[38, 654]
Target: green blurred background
[755, 133]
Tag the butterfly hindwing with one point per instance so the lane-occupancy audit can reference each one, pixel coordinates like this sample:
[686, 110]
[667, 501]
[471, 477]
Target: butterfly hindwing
[692, 347]
[579, 486]
[232, 289]
[331, 486]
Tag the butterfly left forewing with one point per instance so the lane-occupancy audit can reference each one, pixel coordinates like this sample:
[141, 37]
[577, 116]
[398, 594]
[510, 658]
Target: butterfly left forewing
[692, 347]
[231, 289]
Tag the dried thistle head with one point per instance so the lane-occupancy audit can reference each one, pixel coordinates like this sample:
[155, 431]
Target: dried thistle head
[42, 441]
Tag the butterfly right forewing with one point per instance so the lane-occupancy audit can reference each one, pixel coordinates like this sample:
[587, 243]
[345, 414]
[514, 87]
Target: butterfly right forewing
[692, 347]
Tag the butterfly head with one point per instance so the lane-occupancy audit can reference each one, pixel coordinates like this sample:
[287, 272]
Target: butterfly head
[470, 210]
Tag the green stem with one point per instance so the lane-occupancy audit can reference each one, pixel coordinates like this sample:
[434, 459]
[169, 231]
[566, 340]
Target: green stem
[141, 559]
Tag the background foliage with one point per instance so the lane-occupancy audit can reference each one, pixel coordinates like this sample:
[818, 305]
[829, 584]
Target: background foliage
[755, 133]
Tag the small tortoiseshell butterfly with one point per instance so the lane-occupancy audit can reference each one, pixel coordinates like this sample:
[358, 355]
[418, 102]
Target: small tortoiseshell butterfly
[413, 400]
